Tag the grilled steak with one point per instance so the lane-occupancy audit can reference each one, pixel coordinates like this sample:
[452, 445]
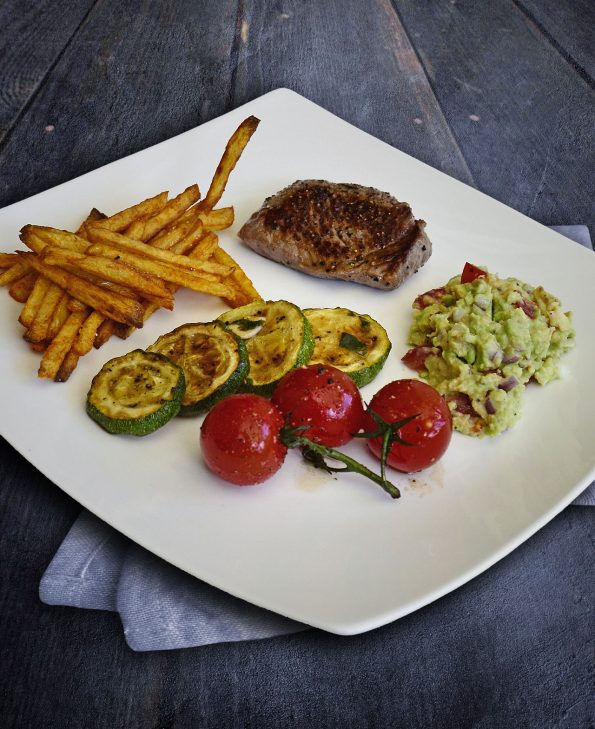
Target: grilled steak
[339, 230]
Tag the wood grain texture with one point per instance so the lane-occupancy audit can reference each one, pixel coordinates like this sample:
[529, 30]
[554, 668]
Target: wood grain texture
[522, 115]
[155, 70]
[313, 49]
[34, 35]
[570, 26]
[135, 74]
[113, 78]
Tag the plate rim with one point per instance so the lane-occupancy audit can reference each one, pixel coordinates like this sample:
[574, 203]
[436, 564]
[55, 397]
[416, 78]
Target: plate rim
[379, 620]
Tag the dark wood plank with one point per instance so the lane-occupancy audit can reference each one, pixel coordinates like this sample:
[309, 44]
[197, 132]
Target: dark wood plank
[147, 77]
[570, 26]
[34, 35]
[136, 73]
[365, 70]
[521, 114]
[34, 517]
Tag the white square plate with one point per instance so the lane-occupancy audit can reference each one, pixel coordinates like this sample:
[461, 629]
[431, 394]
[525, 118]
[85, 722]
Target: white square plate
[338, 554]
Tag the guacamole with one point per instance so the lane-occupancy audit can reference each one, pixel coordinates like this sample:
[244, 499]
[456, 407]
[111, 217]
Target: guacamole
[479, 343]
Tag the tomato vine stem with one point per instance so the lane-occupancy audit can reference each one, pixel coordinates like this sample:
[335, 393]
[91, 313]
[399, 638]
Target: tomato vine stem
[315, 454]
[389, 432]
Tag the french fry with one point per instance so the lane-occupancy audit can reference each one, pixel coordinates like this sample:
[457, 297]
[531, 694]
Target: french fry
[75, 305]
[59, 316]
[14, 273]
[122, 331]
[246, 293]
[233, 150]
[67, 367]
[86, 335]
[109, 303]
[109, 286]
[32, 240]
[189, 228]
[218, 219]
[104, 332]
[190, 242]
[125, 218]
[171, 235]
[93, 217]
[144, 230]
[205, 247]
[125, 332]
[196, 280]
[8, 259]
[60, 346]
[38, 331]
[202, 250]
[107, 269]
[123, 244]
[33, 302]
[38, 237]
[113, 273]
[21, 288]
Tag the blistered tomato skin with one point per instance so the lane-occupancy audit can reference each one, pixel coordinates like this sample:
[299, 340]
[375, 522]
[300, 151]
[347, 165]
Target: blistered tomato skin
[429, 434]
[324, 399]
[240, 439]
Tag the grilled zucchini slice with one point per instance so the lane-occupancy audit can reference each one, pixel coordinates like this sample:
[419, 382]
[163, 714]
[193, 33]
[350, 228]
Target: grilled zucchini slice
[354, 343]
[136, 394]
[278, 338]
[214, 360]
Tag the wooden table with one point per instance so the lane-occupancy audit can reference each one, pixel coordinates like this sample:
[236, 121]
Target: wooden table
[498, 95]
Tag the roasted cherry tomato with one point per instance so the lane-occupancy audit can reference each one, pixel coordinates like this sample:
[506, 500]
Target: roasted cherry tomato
[323, 398]
[428, 434]
[240, 439]
[471, 272]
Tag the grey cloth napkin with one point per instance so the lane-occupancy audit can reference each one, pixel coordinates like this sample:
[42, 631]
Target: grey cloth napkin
[161, 607]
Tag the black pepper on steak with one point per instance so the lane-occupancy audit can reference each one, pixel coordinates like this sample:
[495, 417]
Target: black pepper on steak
[340, 230]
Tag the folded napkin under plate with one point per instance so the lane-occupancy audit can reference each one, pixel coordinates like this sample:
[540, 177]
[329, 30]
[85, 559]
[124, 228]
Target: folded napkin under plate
[162, 607]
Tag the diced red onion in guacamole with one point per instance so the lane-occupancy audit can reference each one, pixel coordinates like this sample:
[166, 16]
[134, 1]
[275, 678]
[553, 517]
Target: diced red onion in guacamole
[495, 353]
[528, 307]
[509, 383]
[462, 402]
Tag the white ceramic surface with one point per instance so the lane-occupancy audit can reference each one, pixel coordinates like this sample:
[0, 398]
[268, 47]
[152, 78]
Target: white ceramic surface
[335, 553]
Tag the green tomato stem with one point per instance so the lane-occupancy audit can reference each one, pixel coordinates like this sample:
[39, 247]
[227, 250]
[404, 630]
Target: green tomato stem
[315, 454]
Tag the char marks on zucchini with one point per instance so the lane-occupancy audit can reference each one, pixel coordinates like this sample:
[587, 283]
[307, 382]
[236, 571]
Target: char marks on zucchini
[278, 338]
[353, 343]
[214, 360]
[136, 394]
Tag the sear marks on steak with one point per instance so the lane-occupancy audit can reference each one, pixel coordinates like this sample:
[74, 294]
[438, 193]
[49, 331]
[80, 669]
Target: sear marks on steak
[340, 230]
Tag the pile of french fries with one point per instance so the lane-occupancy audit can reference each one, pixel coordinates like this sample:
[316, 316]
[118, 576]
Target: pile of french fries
[79, 289]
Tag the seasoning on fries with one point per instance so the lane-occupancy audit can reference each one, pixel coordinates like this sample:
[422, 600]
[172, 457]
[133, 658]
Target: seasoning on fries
[80, 288]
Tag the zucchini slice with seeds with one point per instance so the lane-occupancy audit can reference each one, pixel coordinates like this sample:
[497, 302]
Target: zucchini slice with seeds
[354, 343]
[136, 394]
[214, 360]
[278, 338]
